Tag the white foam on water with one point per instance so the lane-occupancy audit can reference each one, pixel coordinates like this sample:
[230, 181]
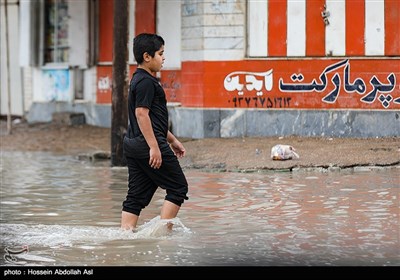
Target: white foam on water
[70, 235]
[158, 228]
[30, 257]
[311, 178]
[10, 202]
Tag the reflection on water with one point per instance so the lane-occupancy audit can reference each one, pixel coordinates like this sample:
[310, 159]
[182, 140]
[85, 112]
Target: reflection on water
[67, 212]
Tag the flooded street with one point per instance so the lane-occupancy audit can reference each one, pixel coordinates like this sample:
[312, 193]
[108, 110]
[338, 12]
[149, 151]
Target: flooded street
[58, 210]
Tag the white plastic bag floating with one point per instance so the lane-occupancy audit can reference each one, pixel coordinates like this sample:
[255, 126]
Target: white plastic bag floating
[283, 152]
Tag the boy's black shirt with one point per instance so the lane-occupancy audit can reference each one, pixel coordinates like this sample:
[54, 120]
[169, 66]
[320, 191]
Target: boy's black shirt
[146, 91]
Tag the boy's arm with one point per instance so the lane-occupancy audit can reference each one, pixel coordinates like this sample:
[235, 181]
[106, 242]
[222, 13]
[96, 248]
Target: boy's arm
[176, 145]
[144, 122]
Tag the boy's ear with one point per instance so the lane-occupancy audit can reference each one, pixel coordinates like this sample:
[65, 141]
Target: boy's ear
[146, 57]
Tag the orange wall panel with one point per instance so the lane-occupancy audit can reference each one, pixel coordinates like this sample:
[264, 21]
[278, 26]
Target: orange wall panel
[315, 28]
[145, 16]
[277, 26]
[355, 27]
[280, 84]
[171, 82]
[296, 84]
[193, 84]
[392, 27]
[106, 23]
[104, 84]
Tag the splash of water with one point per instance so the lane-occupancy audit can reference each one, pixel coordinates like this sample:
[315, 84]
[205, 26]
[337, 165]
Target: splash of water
[70, 235]
[160, 228]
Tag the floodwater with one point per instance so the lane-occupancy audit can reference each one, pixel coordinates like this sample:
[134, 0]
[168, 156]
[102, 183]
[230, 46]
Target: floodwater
[60, 211]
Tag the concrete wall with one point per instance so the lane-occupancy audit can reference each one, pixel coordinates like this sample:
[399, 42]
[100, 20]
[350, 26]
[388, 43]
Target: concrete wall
[10, 93]
[95, 114]
[213, 30]
[225, 123]
[214, 123]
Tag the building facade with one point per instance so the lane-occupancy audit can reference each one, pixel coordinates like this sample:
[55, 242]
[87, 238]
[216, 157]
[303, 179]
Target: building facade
[233, 67]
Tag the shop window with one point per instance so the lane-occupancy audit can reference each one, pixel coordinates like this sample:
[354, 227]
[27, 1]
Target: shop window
[66, 40]
[56, 31]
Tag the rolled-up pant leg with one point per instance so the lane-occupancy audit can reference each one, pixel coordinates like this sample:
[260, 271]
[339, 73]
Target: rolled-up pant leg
[144, 181]
[140, 188]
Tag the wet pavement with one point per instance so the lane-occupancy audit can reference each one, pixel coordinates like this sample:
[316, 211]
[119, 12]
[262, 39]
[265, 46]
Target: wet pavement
[66, 212]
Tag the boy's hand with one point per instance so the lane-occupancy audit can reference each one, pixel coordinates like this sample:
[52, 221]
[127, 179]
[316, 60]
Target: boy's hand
[178, 149]
[155, 158]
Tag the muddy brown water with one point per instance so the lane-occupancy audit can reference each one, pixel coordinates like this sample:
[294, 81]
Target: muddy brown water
[67, 212]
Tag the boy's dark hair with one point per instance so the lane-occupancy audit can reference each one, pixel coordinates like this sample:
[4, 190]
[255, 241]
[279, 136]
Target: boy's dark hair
[146, 42]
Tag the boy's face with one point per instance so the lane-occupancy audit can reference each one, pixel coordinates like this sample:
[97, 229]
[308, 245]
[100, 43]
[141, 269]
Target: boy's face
[155, 63]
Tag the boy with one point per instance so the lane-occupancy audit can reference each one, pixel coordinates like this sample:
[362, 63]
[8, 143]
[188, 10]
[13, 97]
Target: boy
[151, 150]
